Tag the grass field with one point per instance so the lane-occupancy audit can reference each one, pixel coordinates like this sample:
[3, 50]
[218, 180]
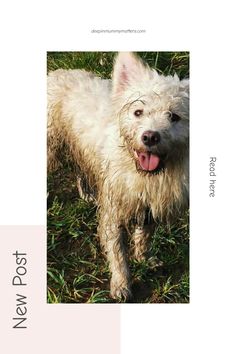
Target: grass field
[77, 270]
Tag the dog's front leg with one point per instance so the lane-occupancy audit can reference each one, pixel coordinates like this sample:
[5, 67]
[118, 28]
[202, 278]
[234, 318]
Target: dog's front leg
[112, 239]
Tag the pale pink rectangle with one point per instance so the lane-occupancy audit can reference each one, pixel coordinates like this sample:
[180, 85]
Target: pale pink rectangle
[59, 328]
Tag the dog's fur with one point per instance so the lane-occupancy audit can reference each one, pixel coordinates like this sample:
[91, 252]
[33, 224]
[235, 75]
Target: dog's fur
[106, 125]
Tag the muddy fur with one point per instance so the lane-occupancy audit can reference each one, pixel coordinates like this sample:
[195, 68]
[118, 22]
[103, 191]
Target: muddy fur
[103, 122]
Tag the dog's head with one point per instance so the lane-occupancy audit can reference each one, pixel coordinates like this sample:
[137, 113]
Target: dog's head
[153, 113]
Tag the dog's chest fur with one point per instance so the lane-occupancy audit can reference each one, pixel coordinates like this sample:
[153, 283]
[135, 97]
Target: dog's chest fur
[164, 193]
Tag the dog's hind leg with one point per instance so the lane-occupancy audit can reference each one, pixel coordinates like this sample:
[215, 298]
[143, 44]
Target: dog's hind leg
[55, 136]
[53, 162]
[141, 237]
[84, 190]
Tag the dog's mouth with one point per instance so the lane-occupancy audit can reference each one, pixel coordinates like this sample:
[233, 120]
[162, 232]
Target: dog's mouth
[148, 161]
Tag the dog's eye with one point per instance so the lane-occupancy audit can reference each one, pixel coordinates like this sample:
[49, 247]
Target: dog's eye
[138, 112]
[174, 117]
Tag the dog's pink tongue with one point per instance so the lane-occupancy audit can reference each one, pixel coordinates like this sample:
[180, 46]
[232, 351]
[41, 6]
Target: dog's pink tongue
[148, 161]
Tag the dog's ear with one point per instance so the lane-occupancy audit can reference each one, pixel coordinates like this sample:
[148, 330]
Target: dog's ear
[128, 69]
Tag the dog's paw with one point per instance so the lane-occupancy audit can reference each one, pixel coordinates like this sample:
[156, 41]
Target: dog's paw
[120, 292]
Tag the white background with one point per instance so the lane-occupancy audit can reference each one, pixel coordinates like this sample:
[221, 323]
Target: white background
[28, 31]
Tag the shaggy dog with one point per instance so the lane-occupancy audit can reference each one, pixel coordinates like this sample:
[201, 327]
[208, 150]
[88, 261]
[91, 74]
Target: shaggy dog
[129, 137]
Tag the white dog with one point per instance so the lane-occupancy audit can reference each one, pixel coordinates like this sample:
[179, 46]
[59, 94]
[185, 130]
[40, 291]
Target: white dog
[129, 138]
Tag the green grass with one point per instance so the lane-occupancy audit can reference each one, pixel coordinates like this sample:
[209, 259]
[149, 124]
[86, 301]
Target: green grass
[77, 270]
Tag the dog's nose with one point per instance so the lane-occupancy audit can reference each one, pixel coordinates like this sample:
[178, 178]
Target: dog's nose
[150, 138]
